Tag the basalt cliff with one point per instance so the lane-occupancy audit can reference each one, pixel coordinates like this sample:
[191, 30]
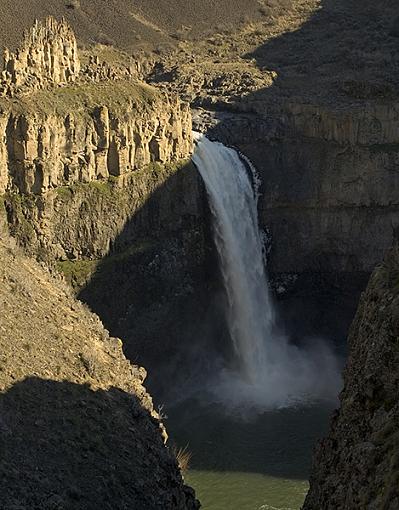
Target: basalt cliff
[311, 98]
[79, 159]
[97, 183]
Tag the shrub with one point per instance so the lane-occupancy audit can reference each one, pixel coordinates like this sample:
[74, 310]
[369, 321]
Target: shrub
[183, 457]
[72, 4]
[105, 39]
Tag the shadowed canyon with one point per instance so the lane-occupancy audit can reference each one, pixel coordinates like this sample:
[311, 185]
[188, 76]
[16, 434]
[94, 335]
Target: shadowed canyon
[207, 190]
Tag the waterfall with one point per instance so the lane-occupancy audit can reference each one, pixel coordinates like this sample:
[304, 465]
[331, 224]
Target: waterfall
[269, 370]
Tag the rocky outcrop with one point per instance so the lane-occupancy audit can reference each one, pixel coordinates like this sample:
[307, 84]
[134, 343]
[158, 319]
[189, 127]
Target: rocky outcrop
[96, 70]
[89, 133]
[356, 466]
[47, 56]
[77, 427]
[210, 83]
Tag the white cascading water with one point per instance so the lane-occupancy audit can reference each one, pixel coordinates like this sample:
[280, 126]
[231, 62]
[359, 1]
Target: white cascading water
[269, 371]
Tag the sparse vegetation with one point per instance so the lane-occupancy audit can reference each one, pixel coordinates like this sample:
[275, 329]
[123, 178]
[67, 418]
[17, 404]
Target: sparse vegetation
[103, 187]
[64, 192]
[82, 99]
[183, 457]
[77, 272]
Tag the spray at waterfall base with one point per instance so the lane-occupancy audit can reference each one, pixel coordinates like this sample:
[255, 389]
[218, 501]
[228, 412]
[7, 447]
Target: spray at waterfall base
[268, 371]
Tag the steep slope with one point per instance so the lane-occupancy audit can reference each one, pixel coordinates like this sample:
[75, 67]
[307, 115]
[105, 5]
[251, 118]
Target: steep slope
[77, 427]
[357, 465]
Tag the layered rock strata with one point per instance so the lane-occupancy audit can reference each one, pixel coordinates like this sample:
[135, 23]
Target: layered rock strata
[55, 134]
[97, 131]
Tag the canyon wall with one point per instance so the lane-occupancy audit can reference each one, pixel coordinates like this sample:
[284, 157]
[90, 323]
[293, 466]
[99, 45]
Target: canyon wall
[94, 180]
[329, 181]
[78, 161]
[356, 466]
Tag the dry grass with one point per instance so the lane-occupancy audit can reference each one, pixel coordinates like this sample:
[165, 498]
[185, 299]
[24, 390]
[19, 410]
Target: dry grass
[67, 393]
[132, 24]
[183, 457]
[313, 47]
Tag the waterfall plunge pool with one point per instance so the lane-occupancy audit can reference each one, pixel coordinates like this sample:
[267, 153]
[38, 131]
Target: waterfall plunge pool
[251, 428]
[261, 463]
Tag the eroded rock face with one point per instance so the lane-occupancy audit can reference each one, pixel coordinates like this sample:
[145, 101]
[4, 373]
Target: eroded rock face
[48, 55]
[356, 466]
[87, 220]
[53, 134]
[40, 150]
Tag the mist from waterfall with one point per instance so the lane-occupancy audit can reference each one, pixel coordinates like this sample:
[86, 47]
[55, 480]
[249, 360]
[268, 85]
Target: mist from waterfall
[267, 371]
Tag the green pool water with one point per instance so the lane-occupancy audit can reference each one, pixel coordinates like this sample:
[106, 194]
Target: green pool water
[246, 491]
[255, 462]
